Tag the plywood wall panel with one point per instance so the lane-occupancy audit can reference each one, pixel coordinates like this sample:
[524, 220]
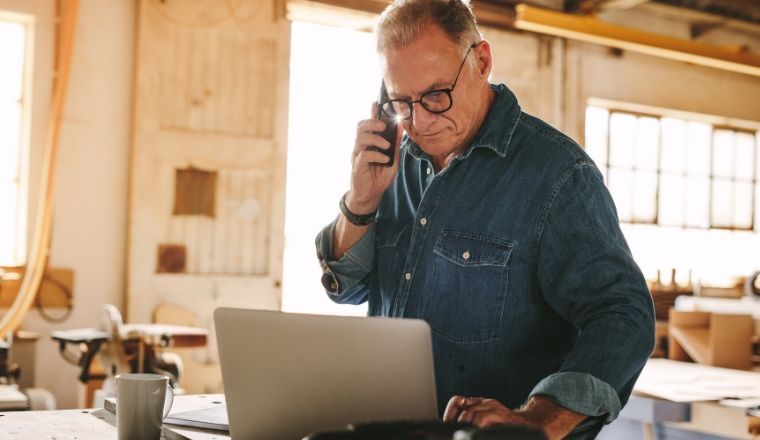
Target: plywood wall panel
[218, 81]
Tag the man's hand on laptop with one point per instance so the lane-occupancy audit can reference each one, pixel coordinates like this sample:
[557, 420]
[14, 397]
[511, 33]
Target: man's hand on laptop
[539, 412]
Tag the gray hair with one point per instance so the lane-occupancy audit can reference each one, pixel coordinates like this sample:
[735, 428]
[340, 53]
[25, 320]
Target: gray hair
[404, 20]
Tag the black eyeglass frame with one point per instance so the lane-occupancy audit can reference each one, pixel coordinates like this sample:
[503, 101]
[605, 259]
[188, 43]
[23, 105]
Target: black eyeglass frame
[410, 103]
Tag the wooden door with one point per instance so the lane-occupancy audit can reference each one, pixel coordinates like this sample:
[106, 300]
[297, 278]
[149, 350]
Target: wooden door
[208, 156]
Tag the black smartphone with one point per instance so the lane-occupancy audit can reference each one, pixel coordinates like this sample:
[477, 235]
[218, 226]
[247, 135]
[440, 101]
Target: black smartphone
[391, 124]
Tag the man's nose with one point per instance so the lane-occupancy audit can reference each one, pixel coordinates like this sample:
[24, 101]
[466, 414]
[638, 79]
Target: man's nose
[421, 117]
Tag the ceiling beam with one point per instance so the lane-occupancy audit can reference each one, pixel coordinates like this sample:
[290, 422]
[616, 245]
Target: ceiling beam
[592, 30]
[619, 5]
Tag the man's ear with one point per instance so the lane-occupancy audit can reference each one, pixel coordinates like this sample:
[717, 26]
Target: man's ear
[485, 60]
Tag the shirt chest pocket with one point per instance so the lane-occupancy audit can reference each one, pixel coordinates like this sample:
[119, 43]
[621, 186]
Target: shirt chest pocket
[465, 298]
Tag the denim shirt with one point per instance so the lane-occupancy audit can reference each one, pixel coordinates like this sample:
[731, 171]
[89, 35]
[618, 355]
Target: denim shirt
[514, 256]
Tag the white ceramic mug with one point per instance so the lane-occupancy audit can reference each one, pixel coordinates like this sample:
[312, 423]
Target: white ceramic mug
[141, 405]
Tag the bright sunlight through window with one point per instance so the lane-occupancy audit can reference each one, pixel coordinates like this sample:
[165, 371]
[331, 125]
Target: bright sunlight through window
[687, 192]
[13, 36]
[334, 78]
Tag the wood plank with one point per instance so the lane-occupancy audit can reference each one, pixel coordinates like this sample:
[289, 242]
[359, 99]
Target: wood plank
[56, 282]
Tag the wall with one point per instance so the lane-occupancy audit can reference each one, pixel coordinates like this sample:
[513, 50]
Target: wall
[91, 183]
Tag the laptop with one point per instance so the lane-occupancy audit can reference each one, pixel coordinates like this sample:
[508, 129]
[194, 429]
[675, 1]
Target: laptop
[289, 375]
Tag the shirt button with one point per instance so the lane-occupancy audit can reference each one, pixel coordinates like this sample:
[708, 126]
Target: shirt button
[423, 221]
[429, 170]
[334, 286]
[466, 255]
[408, 276]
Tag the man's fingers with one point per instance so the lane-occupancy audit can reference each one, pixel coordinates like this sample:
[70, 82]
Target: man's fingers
[366, 139]
[370, 156]
[484, 419]
[458, 404]
[451, 414]
[473, 413]
[369, 126]
[486, 412]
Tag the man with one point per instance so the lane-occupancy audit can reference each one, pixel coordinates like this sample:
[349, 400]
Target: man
[497, 230]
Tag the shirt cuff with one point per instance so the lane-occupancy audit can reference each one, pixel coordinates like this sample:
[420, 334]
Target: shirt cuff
[582, 393]
[352, 267]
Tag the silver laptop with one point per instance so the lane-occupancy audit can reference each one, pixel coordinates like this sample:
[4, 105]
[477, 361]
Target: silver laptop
[288, 375]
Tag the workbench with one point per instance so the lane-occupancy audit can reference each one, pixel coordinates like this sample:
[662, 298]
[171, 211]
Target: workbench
[680, 400]
[99, 424]
[645, 417]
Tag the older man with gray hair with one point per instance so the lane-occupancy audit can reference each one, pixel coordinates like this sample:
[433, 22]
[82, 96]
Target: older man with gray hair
[493, 227]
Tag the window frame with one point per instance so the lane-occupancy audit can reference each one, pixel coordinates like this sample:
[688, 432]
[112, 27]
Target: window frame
[716, 123]
[27, 21]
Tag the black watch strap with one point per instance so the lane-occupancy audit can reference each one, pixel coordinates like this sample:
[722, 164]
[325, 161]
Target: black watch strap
[355, 219]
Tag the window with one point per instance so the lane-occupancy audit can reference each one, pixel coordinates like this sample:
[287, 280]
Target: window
[14, 35]
[330, 91]
[677, 172]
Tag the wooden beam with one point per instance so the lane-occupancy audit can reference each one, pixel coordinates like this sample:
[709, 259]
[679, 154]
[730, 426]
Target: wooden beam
[487, 13]
[617, 5]
[592, 30]
[493, 15]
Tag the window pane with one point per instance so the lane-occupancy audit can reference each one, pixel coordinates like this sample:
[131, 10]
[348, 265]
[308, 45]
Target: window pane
[12, 56]
[621, 188]
[622, 136]
[722, 203]
[671, 202]
[10, 126]
[698, 202]
[743, 205]
[596, 135]
[8, 201]
[698, 138]
[723, 153]
[645, 196]
[745, 156]
[673, 145]
[647, 140]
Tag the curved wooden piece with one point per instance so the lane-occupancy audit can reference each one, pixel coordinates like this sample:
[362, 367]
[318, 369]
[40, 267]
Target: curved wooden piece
[39, 253]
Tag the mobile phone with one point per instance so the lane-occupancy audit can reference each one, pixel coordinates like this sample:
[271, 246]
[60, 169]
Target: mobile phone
[389, 134]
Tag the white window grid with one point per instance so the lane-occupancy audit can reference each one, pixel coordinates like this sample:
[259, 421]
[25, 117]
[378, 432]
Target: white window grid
[675, 171]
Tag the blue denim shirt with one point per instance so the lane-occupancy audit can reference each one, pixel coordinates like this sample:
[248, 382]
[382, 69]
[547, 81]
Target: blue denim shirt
[514, 256]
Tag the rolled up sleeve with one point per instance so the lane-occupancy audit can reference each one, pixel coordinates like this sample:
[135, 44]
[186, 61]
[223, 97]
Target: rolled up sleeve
[344, 280]
[582, 393]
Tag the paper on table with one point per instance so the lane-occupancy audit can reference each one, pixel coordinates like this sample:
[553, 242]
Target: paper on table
[741, 403]
[687, 382]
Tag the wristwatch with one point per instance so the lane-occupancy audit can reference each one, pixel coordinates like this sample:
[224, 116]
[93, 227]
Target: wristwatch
[355, 219]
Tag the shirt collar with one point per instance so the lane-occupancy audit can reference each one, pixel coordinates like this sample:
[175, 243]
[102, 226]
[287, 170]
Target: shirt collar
[496, 131]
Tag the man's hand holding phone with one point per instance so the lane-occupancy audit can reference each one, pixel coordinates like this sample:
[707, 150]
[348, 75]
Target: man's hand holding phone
[370, 174]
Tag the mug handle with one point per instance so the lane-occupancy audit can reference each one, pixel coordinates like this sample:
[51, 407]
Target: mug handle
[170, 393]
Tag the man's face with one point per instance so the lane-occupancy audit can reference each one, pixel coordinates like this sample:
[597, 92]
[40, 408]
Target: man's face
[432, 62]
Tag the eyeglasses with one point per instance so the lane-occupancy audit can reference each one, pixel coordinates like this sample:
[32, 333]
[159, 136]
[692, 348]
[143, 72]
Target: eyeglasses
[434, 101]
